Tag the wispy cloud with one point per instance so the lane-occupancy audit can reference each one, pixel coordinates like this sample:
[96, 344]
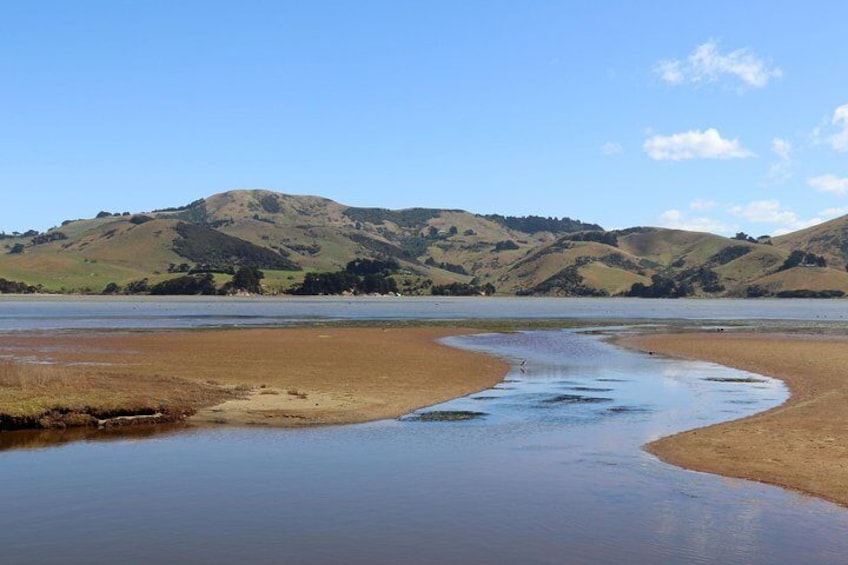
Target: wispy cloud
[680, 220]
[780, 170]
[834, 212]
[708, 64]
[771, 216]
[830, 184]
[771, 212]
[694, 144]
[702, 205]
[839, 140]
[782, 148]
[611, 148]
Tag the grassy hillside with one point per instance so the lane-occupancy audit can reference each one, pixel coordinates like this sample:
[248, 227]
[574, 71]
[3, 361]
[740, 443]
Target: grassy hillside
[288, 236]
[829, 239]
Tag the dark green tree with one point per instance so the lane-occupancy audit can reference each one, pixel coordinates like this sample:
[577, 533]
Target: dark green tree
[203, 283]
[112, 288]
[137, 287]
[247, 279]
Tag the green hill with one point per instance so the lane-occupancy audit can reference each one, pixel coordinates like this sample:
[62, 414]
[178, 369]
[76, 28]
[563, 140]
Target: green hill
[287, 236]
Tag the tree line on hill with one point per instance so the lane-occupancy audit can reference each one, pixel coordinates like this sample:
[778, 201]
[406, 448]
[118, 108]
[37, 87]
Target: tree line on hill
[245, 279]
[360, 276]
[15, 287]
[536, 224]
[463, 289]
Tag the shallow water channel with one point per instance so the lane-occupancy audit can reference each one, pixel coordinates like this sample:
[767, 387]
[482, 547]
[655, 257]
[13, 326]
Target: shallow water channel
[551, 471]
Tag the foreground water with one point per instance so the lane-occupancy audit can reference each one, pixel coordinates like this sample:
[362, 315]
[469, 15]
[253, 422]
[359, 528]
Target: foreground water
[552, 473]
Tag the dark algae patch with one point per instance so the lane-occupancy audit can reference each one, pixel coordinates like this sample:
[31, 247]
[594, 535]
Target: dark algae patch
[445, 416]
[575, 399]
[734, 379]
[628, 409]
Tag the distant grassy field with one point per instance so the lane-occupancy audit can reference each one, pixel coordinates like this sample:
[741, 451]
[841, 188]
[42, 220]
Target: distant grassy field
[278, 282]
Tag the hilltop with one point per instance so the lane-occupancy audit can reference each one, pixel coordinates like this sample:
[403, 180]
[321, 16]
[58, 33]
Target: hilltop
[290, 237]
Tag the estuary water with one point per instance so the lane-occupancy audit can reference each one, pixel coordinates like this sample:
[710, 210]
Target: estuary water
[550, 470]
[61, 312]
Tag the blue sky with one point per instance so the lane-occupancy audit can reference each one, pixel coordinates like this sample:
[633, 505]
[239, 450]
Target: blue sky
[718, 116]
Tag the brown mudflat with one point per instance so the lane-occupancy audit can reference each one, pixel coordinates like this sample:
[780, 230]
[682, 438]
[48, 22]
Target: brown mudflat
[802, 444]
[278, 377]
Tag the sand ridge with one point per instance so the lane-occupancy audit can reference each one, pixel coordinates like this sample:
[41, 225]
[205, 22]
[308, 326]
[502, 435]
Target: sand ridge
[802, 444]
[279, 376]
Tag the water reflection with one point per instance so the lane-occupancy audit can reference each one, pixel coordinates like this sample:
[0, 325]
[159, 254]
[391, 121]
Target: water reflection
[41, 439]
[529, 482]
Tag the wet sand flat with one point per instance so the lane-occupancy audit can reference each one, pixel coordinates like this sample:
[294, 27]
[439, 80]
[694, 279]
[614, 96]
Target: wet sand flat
[802, 444]
[277, 377]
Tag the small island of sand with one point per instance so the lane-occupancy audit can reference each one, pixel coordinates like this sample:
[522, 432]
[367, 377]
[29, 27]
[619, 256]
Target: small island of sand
[271, 377]
[802, 444]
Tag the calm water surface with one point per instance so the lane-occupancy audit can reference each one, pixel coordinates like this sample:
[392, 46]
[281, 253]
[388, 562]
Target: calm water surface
[553, 473]
[32, 313]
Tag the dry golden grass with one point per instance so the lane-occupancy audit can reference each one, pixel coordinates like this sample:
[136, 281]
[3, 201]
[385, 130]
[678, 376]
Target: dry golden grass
[29, 392]
[26, 377]
[611, 279]
[811, 278]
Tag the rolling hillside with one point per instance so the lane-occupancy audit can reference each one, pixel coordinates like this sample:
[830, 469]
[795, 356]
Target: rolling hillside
[829, 239]
[288, 236]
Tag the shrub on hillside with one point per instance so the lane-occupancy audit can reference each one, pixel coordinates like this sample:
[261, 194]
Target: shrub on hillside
[188, 285]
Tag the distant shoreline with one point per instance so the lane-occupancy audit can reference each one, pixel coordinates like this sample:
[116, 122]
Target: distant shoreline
[802, 444]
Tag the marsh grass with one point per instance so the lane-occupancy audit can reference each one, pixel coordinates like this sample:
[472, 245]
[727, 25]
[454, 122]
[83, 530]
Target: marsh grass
[32, 395]
[29, 376]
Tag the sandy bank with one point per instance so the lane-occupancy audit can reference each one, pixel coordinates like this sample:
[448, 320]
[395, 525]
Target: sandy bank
[276, 377]
[802, 444]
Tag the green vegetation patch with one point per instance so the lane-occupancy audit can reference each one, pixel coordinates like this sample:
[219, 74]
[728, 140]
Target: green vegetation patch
[15, 287]
[605, 237]
[566, 282]
[410, 218]
[536, 224]
[216, 250]
[361, 276]
[804, 293]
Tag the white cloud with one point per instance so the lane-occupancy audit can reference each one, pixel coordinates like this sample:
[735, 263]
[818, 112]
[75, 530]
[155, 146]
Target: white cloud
[694, 144]
[702, 205]
[772, 212]
[834, 212]
[670, 72]
[830, 183]
[781, 170]
[782, 147]
[678, 220]
[611, 148]
[707, 64]
[839, 140]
